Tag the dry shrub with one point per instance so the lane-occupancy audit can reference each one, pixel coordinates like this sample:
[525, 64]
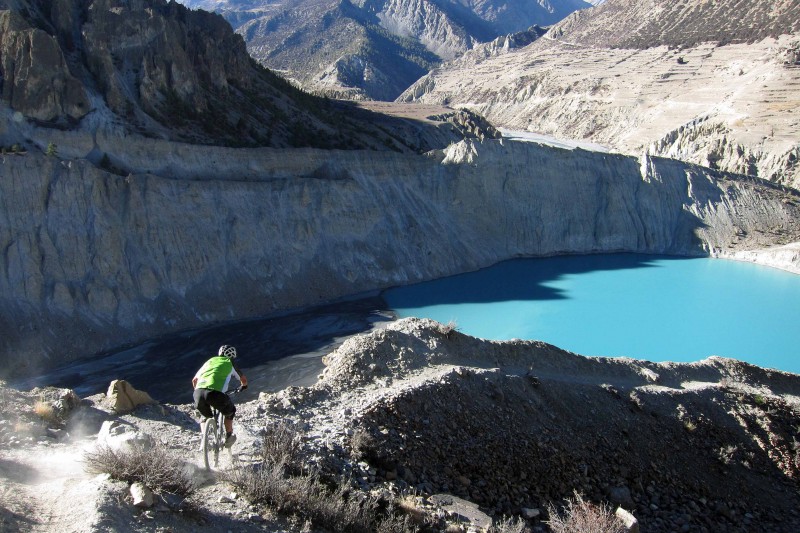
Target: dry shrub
[157, 467]
[281, 444]
[362, 444]
[510, 525]
[280, 482]
[448, 329]
[580, 516]
[307, 497]
[408, 506]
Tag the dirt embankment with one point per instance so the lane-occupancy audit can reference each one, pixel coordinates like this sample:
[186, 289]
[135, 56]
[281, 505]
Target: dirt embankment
[512, 426]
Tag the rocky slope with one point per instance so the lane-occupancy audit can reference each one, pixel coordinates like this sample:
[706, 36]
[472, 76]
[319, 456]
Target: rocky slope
[190, 235]
[160, 70]
[374, 48]
[418, 408]
[641, 77]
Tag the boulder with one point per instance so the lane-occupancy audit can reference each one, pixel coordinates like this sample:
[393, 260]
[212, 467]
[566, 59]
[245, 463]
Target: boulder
[621, 496]
[122, 397]
[142, 495]
[465, 511]
[628, 520]
[119, 436]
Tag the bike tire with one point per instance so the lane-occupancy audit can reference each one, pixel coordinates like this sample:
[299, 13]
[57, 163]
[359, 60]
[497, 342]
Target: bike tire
[219, 441]
[209, 435]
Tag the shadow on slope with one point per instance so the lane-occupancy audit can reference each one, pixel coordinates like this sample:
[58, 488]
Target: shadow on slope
[271, 353]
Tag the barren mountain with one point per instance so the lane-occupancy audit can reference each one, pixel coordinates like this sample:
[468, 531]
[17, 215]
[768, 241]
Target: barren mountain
[374, 48]
[715, 83]
[161, 70]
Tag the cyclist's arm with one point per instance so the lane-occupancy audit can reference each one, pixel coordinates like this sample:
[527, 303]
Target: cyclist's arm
[240, 376]
[194, 382]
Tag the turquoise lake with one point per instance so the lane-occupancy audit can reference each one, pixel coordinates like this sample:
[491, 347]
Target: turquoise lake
[646, 307]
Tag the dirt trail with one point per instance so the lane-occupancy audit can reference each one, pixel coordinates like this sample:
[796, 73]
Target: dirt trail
[46, 488]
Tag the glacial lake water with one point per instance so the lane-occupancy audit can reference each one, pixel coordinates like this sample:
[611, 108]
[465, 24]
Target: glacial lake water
[646, 307]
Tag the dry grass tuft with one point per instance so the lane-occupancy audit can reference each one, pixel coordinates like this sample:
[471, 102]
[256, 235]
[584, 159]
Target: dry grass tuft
[510, 525]
[157, 467]
[281, 444]
[46, 412]
[583, 517]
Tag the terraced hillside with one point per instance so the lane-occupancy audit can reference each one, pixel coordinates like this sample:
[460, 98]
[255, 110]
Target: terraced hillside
[639, 80]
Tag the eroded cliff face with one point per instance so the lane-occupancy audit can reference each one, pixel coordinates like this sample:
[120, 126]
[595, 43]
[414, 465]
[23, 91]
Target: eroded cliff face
[93, 260]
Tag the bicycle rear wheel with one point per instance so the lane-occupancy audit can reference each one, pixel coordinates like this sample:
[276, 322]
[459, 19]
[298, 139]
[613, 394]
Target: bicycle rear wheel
[209, 436]
[219, 441]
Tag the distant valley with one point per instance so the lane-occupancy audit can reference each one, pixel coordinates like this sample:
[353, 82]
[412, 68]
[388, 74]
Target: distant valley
[374, 49]
[713, 83]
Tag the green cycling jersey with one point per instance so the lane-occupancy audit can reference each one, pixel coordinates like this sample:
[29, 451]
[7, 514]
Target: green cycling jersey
[216, 374]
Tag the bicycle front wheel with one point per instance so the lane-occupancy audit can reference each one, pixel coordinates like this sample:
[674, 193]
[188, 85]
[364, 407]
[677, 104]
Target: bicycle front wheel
[209, 435]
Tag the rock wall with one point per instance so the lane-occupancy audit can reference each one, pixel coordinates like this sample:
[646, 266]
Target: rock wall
[90, 260]
[34, 77]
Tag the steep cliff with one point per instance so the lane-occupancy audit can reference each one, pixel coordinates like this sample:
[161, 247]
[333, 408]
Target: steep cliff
[161, 70]
[194, 235]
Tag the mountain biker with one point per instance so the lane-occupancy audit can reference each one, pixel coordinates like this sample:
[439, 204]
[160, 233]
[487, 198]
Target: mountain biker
[210, 385]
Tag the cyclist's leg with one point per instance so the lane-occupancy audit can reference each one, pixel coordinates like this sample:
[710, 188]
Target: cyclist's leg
[201, 402]
[223, 403]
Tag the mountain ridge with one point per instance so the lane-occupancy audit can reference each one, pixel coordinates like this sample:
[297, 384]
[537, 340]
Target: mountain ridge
[317, 43]
[156, 68]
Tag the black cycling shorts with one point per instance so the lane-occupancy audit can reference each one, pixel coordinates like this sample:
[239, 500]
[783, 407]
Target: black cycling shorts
[203, 398]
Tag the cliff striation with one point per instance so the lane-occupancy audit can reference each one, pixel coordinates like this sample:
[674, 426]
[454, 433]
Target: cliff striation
[193, 235]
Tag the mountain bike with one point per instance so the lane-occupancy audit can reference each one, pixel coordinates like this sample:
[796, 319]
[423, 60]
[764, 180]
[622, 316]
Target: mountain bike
[212, 435]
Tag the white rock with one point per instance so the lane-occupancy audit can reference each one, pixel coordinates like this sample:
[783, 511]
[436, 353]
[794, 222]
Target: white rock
[531, 513]
[142, 495]
[629, 521]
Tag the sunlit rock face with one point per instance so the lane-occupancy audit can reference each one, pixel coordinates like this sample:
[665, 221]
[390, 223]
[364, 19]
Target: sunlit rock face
[661, 77]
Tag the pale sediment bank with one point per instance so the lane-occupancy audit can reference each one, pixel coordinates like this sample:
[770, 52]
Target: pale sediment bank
[786, 257]
[94, 260]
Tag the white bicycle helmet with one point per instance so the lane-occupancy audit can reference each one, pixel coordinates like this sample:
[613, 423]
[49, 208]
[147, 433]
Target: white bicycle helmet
[227, 351]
